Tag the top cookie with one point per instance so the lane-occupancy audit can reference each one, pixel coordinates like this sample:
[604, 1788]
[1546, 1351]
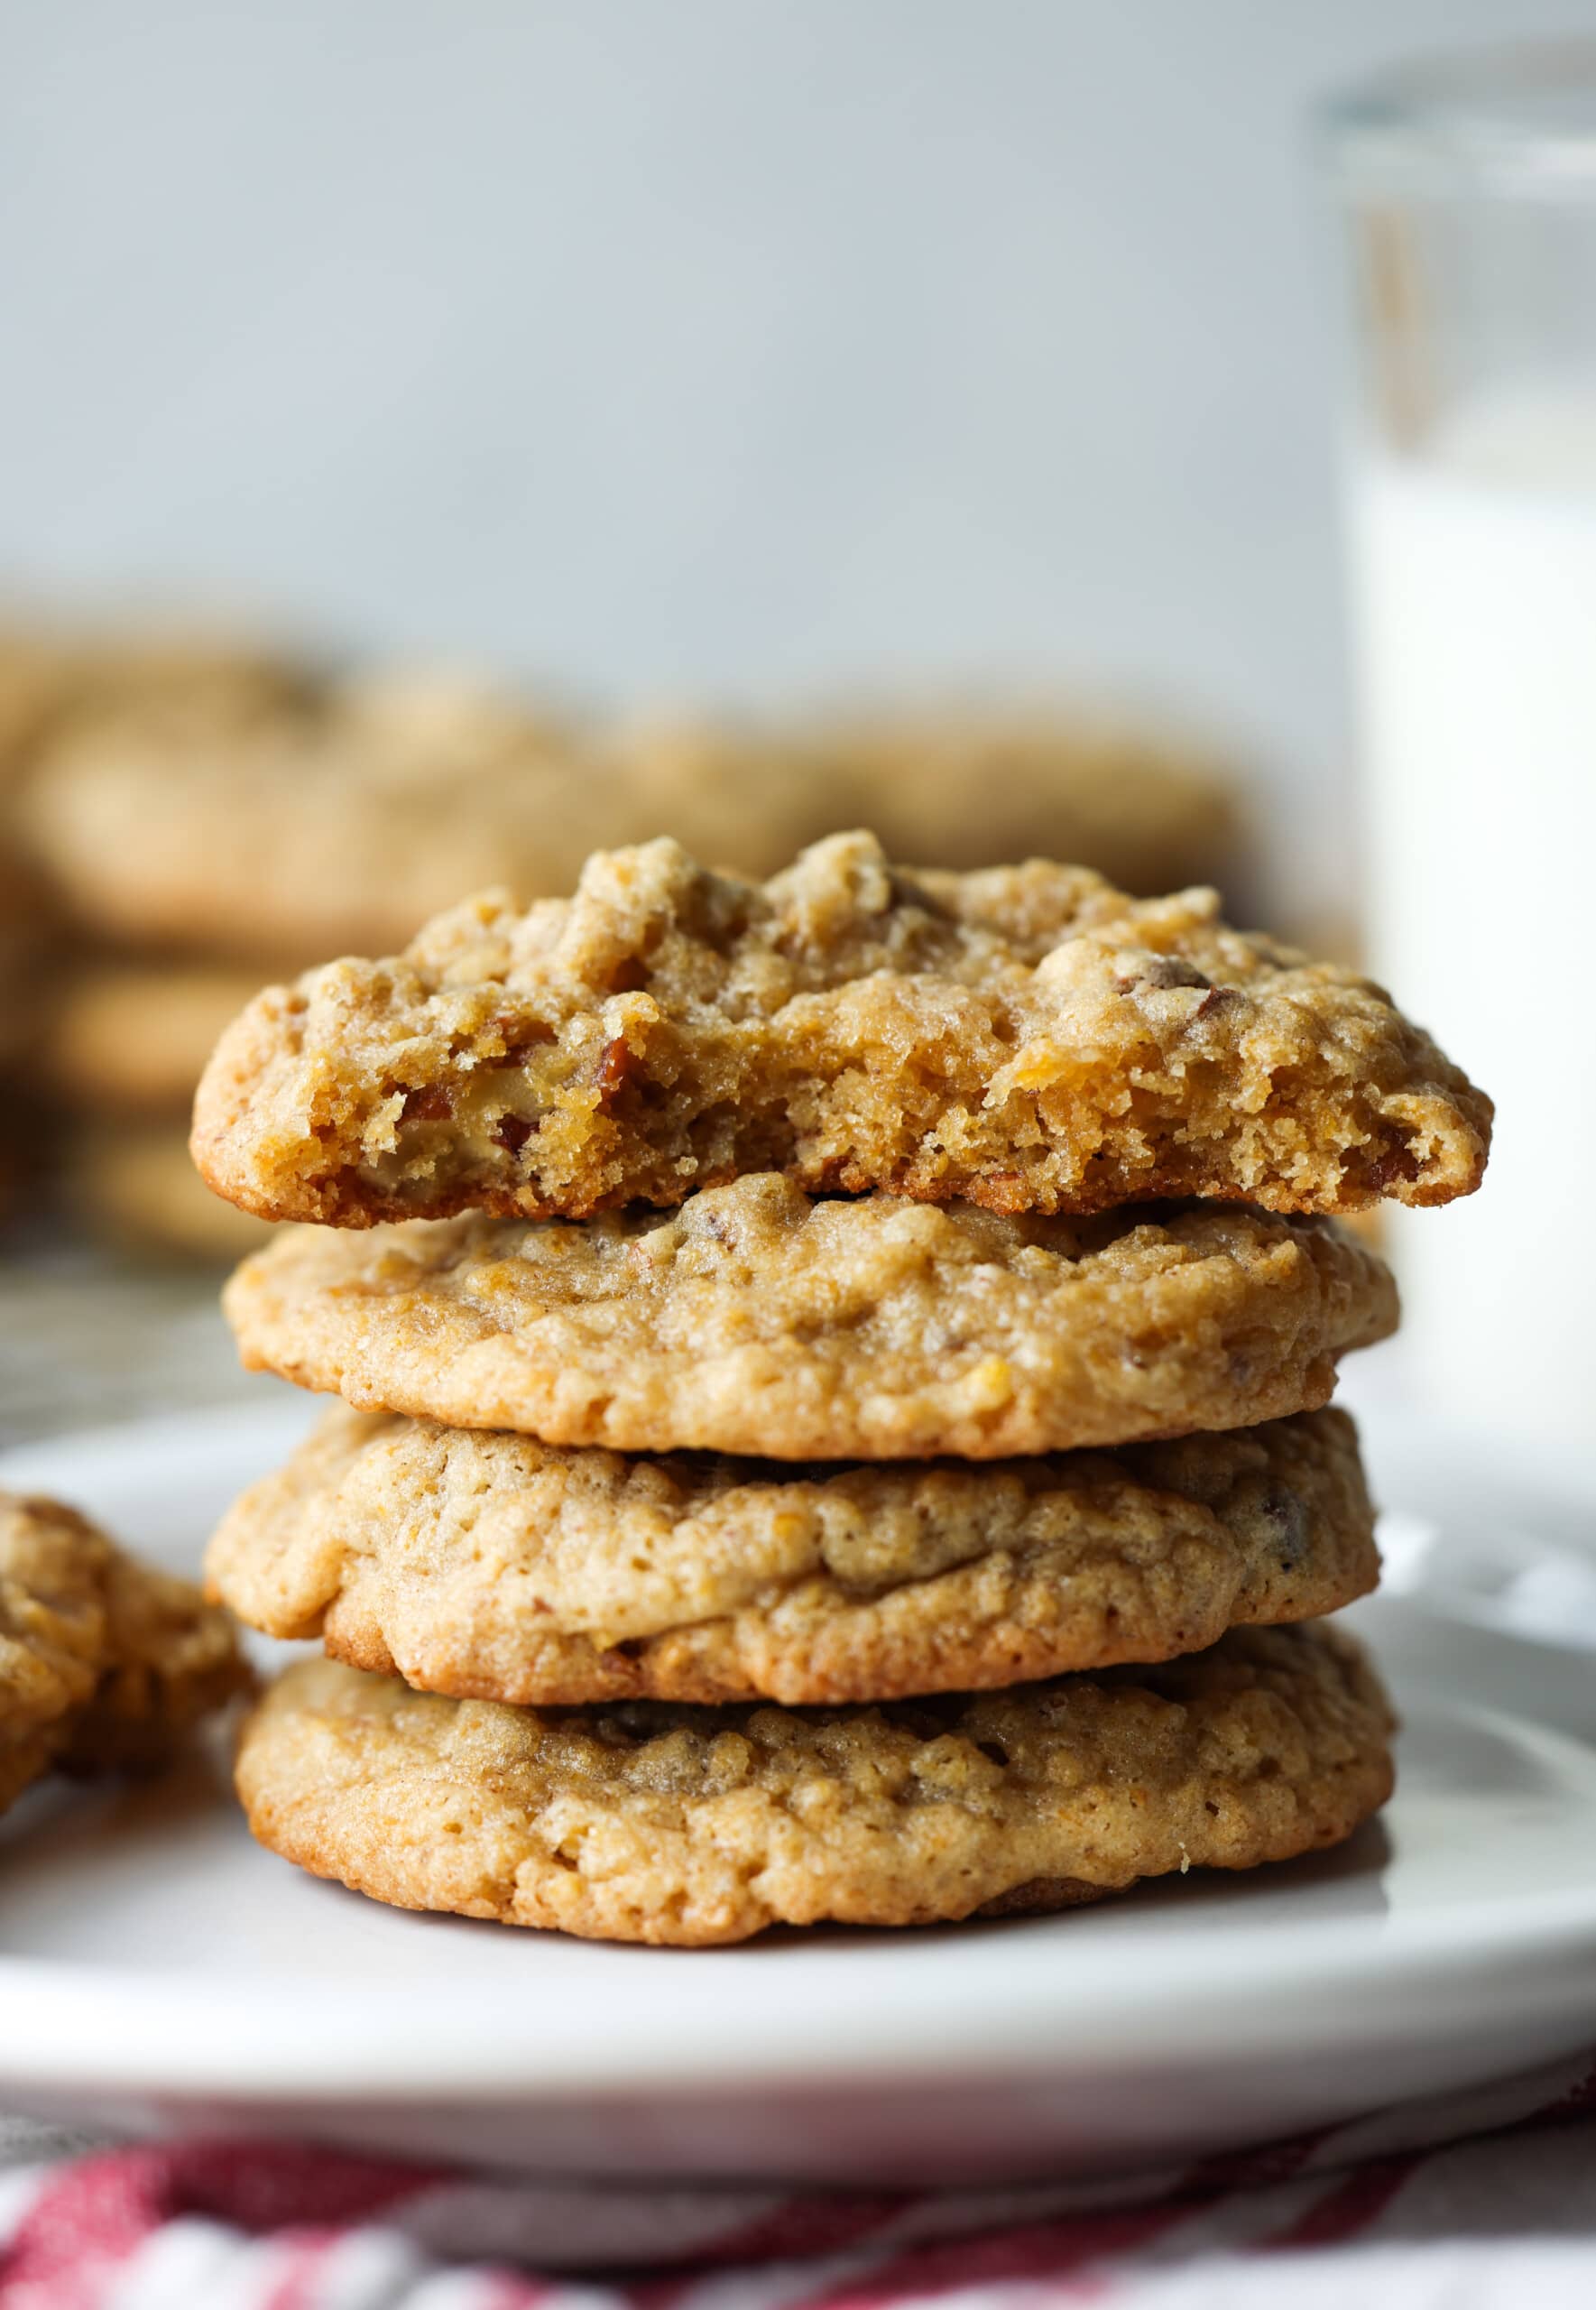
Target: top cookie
[1028, 1039]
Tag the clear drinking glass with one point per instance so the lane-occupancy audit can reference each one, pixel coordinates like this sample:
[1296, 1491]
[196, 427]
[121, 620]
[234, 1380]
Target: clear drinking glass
[1467, 193]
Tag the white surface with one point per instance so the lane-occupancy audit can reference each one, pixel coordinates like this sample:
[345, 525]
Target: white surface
[154, 1964]
[1476, 593]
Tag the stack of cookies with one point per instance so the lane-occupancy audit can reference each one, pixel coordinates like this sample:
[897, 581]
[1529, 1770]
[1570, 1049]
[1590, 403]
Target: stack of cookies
[833, 1380]
[831, 1393]
[118, 1018]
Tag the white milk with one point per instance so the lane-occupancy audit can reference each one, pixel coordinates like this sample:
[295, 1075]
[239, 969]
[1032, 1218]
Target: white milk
[1475, 597]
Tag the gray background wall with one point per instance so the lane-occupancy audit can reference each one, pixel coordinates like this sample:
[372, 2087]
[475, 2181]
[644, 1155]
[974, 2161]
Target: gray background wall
[739, 345]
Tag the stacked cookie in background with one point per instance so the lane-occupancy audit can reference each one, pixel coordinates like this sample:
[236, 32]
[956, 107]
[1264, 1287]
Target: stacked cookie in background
[118, 1018]
[53, 687]
[833, 1380]
[197, 834]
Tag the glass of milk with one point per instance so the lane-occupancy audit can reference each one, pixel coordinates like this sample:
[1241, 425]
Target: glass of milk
[1467, 196]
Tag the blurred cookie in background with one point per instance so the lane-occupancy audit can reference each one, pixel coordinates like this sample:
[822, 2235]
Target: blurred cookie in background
[80, 1029]
[955, 787]
[132, 1037]
[23, 936]
[57, 683]
[319, 823]
[55, 676]
[24, 921]
[740, 794]
[132, 1185]
[965, 787]
[34, 677]
[341, 821]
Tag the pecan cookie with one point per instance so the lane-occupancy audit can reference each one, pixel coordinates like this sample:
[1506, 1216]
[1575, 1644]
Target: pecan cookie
[648, 1822]
[756, 1320]
[1029, 1038]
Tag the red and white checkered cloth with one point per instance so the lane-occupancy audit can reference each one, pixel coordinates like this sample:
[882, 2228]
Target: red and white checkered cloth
[1482, 2201]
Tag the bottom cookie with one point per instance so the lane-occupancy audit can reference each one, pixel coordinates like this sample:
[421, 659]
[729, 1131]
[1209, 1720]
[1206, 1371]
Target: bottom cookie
[654, 1822]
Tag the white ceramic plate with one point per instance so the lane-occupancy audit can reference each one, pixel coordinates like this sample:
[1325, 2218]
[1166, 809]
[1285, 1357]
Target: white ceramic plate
[156, 1967]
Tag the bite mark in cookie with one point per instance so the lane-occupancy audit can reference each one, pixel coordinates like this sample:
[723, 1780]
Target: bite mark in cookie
[1026, 1037]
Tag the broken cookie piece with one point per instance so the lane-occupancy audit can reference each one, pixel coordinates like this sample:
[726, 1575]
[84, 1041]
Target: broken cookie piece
[105, 1664]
